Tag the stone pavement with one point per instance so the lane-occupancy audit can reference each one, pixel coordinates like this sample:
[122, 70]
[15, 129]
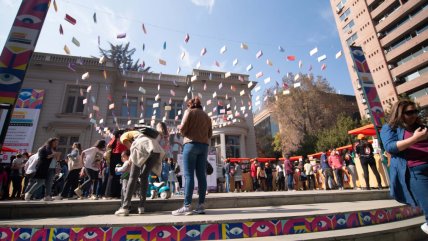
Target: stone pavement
[211, 216]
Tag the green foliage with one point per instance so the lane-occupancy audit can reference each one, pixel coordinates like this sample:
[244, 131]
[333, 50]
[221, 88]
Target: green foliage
[121, 55]
[337, 135]
[303, 112]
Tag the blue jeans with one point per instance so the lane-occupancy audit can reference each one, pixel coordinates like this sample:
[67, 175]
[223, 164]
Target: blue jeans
[227, 177]
[195, 159]
[419, 186]
[290, 179]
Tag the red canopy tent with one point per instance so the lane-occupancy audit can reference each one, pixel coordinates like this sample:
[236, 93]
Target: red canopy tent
[367, 130]
[8, 149]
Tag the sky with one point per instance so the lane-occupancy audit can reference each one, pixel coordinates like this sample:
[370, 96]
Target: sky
[296, 26]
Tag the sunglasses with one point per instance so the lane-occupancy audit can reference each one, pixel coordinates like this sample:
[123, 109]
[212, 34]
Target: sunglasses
[411, 112]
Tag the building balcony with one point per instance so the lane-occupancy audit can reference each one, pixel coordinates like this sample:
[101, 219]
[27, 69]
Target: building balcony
[404, 28]
[413, 84]
[382, 9]
[393, 17]
[422, 101]
[410, 66]
[393, 55]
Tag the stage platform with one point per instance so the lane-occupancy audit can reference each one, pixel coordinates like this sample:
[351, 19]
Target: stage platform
[261, 215]
[66, 208]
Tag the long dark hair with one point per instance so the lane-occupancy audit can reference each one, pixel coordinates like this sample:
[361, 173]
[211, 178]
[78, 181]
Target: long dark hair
[50, 141]
[100, 144]
[396, 118]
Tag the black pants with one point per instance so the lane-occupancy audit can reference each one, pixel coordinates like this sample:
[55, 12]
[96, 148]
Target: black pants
[280, 181]
[17, 186]
[92, 178]
[71, 183]
[311, 182]
[114, 187]
[365, 162]
[255, 183]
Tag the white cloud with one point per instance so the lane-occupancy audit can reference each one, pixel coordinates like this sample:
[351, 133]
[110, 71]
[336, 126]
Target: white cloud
[205, 3]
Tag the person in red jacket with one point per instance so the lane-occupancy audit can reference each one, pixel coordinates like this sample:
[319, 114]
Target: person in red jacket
[336, 162]
[253, 172]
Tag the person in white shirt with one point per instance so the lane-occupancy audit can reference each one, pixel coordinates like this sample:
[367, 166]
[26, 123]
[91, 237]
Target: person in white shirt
[91, 160]
[309, 175]
[16, 175]
[30, 170]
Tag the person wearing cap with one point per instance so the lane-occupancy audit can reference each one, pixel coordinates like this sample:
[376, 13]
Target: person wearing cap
[146, 156]
[364, 151]
[405, 138]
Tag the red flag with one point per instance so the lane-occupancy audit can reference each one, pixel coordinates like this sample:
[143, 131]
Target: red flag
[70, 19]
[291, 57]
[323, 67]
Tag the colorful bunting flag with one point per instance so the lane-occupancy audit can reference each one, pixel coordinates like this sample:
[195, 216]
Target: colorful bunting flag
[186, 38]
[144, 28]
[61, 31]
[259, 54]
[291, 58]
[313, 51]
[70, 19]
[223, 49]
[66, 49]
[121, 35]
[203, 51]
[75, 42]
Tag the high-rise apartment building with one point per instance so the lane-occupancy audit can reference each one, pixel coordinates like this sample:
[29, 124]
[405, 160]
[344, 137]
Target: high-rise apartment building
[394, 37]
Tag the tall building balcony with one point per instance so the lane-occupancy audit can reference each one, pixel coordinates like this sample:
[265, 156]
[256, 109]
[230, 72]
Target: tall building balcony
[394, 18]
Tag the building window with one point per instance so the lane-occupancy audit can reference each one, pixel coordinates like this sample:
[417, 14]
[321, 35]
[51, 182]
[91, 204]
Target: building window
[341, 4]
[216, 144]
[74, 97]
[348, 26]
[345, 14]
[149, 110]
[129, 106]
[232, 146]
[65, 143]
[176, 105]
[352, 39]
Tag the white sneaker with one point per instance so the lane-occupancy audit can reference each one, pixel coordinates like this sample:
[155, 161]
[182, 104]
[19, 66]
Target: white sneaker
[93, 197]
[48, 199]
[424, 227]
[122, 212]
[200, 209]
[57, 197]
[185, 210]
[153, 194]
[27, 196]
[140, 210]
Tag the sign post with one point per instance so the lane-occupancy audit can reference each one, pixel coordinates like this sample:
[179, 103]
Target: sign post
[377, 115]
[16, 56]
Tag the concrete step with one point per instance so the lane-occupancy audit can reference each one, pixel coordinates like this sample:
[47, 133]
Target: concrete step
[65, 208]
[405, 230]
[227, 223]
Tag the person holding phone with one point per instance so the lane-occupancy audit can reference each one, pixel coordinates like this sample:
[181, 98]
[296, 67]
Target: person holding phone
[405, 138]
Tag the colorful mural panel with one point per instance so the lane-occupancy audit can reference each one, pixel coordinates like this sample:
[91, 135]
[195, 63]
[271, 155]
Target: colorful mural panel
[213, 231]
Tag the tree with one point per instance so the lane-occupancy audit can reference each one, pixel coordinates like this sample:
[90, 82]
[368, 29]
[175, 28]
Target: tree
[304, 111]
[121, 55]
[337, 135]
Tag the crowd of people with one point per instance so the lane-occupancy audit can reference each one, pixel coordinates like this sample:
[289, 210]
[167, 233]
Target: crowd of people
[331, 171]
[131, 158]
[100, 171]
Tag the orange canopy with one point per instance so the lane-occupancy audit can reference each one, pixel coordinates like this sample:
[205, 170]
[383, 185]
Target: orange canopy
[367, 130]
